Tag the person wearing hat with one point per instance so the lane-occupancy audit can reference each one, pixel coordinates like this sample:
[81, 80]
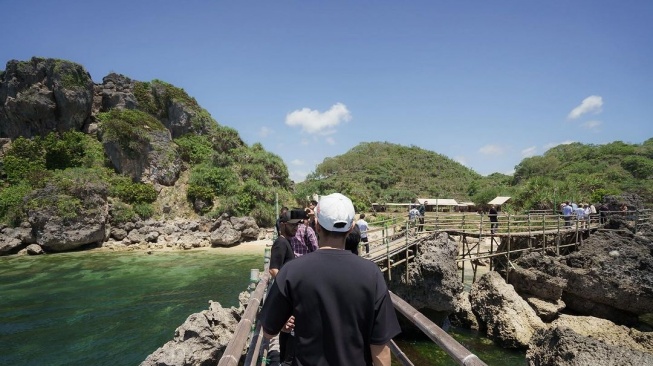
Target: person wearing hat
[343, 313]
[282, 253]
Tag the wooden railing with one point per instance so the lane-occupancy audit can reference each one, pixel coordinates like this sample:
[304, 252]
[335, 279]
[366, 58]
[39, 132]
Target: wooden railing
[399, 237]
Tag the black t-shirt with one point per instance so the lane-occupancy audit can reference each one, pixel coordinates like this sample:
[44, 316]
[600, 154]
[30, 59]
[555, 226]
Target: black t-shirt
[280, 253]
[353, 239]
[341, 306]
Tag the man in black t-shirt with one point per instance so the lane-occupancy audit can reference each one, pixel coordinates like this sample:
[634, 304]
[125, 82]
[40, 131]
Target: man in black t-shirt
[343, 313]
[281, 251]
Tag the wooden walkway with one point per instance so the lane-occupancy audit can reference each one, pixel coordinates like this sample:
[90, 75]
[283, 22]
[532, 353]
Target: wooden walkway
[395, 242]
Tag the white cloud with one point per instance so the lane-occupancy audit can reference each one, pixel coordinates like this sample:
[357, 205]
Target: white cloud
[592, 125]
[313, 121]
[461, 159]
[491, 150]
[529, 151]
[591, 104]
[264, 132]
[330, 141]
[297, 162]
[554, 144]
[297, 175]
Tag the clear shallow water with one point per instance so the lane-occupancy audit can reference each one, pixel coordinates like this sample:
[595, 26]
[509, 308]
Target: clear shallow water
[108, 308]
[116, 308]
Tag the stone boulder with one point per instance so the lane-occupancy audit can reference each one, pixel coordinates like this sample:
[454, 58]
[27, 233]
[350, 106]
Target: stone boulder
[507, 318]
[156, 158]
[200, 340]
[463, 316]
[589, 341]
[116, 91]
[44, 95]
[247, 227]
[59, 231]
[225, 235]
[9, 245]
[537, 283]
[433, 283]
[13, 239]
[610, 276]
[34, 249]
[228, 231]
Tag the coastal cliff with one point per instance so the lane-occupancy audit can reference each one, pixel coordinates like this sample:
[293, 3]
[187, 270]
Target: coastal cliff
[84, 164]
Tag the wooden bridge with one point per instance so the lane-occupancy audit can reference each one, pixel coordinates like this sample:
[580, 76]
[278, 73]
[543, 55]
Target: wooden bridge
[394, 242]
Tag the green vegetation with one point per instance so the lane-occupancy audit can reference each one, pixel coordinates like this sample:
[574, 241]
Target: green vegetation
[72, 76]
[584, 173]
[129, 128]
[67, 167]
[385, 172]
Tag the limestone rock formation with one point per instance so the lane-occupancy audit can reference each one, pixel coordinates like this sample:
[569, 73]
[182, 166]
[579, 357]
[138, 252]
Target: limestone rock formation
[59, 231]
[13, 239]
[44, 95]
[508, 318]
[563, 346]
[228, 231]
[200, 340]
[433, 282]
[610, 276]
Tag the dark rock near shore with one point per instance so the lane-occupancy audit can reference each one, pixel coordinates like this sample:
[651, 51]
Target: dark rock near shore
[44, 95]
[433, 283]
[57, 232]
[200, 340]
[589, 342]
[610, 276]
[228, 231]
[506, 317]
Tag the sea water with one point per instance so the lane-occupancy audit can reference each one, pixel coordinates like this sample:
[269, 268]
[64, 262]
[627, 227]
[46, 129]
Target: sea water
[99, 308]
[108, 308]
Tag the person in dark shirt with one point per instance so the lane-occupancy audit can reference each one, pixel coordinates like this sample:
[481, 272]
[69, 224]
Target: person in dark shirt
[281, 254]
[278, 223]
[353, 240]
[343, 313]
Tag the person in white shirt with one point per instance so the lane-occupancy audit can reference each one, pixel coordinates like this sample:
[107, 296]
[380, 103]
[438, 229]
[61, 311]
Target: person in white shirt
[363, 226]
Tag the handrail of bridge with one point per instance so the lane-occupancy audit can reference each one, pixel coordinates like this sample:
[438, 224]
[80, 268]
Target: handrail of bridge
[236, 345]
[460, 354]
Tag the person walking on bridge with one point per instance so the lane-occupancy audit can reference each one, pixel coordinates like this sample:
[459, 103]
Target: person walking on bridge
[494, 219]
[341, 304]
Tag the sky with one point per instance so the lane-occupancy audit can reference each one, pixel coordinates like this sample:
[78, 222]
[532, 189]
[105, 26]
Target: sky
[485, 83]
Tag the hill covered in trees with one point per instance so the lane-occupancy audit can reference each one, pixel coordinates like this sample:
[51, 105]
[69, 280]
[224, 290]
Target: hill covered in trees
[386, 172]
[77, 153]
[124, 149]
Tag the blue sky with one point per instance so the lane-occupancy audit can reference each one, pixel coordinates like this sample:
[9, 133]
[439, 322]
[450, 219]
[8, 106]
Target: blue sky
[485, 83]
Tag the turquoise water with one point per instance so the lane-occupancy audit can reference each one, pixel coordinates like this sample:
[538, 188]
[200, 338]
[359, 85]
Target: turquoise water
[92, 308]
[108, 308]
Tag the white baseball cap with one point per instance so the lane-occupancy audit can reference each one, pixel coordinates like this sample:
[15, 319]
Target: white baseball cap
[335, 212]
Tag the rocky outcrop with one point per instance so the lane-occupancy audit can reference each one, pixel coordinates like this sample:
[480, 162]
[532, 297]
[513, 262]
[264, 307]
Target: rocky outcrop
[63, 222]
[610, 276]
[44, 95]
[155, 161]
[433, 282]
[200, 340]
[228, 231]
[14, 239]
[116, 91]
[463, 316]
[507, 318]
[589, 341]
[175, 233]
